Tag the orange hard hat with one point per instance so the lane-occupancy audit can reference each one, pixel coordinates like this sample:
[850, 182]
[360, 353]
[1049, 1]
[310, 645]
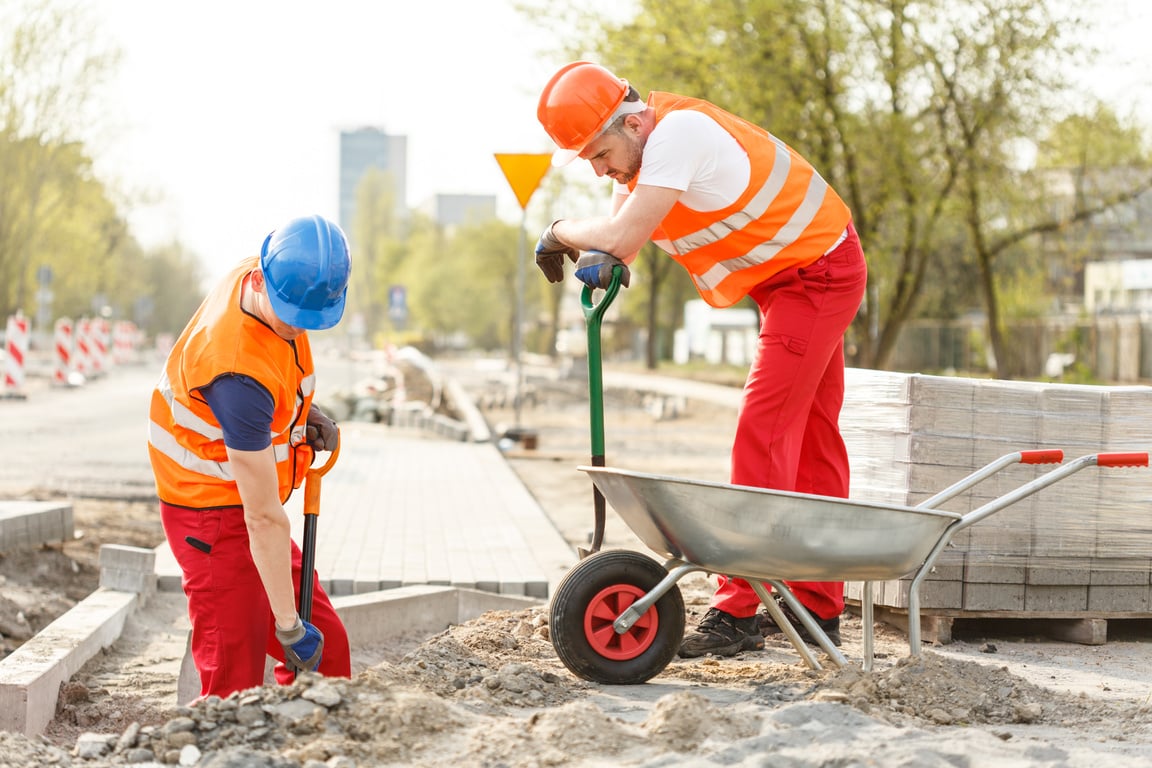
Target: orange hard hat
[577, 104]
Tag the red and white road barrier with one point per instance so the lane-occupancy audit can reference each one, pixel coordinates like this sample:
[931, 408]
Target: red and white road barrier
[62, 343]
[124, 339]
[98, 346]
[16, 354]
[82, 355]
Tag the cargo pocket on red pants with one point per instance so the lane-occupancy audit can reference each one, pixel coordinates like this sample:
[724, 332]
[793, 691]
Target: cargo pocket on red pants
[191, 535]
[793, 344]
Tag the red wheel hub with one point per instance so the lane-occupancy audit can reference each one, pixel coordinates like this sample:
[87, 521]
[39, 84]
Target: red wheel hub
[603, 609]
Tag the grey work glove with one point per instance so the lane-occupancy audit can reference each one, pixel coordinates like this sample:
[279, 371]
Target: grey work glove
[303, 646]
[594, 268]
[321, 432]
[550, 253]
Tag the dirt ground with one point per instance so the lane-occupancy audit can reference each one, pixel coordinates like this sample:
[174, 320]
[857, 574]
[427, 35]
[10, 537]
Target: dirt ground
[492, 692]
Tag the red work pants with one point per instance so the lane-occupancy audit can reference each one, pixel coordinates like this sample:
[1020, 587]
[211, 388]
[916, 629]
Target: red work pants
[788, 433]
[232, 625]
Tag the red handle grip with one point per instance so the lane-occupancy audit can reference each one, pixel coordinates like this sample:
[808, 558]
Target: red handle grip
[1122, 459]
[1051, 456]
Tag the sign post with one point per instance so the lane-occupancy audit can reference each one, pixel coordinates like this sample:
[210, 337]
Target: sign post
[524, 173]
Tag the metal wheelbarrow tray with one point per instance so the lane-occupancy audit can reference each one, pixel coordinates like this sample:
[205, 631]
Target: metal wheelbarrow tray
[618, 616]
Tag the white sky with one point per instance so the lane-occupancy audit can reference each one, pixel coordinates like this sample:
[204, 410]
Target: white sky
[231, 109]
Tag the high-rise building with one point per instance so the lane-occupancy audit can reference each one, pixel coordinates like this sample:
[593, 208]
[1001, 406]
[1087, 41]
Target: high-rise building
[361, 150]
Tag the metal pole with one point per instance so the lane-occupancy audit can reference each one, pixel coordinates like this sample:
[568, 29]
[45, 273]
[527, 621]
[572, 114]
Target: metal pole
[517, 341]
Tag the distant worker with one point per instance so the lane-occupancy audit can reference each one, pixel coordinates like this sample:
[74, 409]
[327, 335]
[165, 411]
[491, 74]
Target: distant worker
[232, 431]
[745, 215]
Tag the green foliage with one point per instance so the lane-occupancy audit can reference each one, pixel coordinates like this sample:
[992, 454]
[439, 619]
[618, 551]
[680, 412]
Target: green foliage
[459, 282]
[1096, 138]
[173, 289]
[378, 241]
[915, 112]
[469, 287]
[54, 213]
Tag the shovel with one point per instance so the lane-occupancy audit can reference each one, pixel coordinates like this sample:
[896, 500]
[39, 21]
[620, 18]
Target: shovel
[311, 512]
[593, 315]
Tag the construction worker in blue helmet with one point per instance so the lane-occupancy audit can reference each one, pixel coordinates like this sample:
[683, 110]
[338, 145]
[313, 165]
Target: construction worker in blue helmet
[232, 432]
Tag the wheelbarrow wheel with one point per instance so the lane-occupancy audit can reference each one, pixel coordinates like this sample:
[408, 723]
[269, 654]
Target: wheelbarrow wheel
[590, 598]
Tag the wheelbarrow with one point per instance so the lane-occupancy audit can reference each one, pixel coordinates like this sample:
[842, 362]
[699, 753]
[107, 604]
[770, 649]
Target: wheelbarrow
[618, 616]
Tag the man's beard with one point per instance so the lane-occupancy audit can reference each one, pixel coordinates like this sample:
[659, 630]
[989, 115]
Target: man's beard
[632, 162]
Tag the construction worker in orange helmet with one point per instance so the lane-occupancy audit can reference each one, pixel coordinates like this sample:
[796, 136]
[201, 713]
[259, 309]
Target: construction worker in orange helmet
[746, 216]
[232, 431]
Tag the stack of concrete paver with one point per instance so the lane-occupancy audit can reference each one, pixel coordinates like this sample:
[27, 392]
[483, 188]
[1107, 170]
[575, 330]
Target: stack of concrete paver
[1083, 544]
[29, 524]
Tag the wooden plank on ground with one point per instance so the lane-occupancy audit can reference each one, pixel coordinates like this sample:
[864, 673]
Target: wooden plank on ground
[939, 625]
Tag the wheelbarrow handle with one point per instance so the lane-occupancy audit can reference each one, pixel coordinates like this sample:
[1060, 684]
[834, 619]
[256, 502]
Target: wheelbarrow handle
[1049, 456]
[1136, 459]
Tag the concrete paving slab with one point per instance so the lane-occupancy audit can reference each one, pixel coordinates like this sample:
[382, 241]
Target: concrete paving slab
[30, 524]
[30, 676]
[401, 510]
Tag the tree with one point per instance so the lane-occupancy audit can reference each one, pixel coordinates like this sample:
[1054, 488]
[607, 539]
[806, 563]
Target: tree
[378, 242]
[555, 197]
[50, 72]
[174, 278]
[471, 290]
[1088, 162]
[994, 82]
[911, 109]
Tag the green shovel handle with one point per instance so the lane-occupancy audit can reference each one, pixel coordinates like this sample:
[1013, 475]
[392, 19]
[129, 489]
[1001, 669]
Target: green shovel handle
[593, 317]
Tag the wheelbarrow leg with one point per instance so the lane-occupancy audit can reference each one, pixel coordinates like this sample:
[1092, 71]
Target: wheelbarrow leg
[814, 630]
[785, 625]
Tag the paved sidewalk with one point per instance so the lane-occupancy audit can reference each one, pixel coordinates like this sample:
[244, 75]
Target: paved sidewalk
[398, 509]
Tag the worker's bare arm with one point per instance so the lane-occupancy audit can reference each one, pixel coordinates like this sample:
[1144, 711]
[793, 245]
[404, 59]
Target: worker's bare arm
[269, 531]
[623, 233]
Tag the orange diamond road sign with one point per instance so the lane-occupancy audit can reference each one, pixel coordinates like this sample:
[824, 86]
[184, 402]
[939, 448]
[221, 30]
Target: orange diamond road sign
[524, 173]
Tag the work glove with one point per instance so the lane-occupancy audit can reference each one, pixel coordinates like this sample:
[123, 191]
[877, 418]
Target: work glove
[550, 253]
[594, 269]
[321, 432]
[303, 646]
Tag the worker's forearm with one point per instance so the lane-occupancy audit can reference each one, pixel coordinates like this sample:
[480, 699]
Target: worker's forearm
[270, 539]
[599, 233]
[269, 532]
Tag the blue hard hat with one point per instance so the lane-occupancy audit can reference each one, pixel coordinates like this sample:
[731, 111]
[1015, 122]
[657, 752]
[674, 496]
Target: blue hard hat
[306, 267]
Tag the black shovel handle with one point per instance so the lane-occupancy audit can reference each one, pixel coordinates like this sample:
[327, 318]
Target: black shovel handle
[311, 512]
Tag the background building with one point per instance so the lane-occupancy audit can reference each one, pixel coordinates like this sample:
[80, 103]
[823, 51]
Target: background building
[361, 150]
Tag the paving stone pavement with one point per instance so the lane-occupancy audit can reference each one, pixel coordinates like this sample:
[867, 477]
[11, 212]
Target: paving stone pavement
[399, 508]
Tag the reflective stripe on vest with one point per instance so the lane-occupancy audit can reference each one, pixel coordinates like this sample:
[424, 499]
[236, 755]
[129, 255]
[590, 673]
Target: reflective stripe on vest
[186, 443]
[165, 443]
[786, 217]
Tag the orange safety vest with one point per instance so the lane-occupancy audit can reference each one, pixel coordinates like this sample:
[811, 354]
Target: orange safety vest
[185, 442]
[787, 216]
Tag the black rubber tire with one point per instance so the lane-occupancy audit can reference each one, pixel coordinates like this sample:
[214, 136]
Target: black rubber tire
[586, 601]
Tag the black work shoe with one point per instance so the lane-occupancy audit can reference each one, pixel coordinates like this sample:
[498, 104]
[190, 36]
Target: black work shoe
[722, 634]
[830, 626]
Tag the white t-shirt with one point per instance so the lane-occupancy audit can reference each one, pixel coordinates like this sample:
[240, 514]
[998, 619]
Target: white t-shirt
[689, 151]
